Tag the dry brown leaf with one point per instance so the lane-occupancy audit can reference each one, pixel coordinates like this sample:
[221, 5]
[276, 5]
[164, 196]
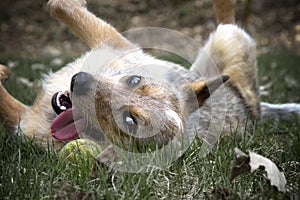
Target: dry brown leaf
[240, 165]
[275, 176]
[254, 161]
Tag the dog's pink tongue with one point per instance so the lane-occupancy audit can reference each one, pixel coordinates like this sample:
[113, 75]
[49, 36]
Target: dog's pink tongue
[65, 127]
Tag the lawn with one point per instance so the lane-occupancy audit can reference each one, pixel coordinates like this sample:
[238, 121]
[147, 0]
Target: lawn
[29, 172]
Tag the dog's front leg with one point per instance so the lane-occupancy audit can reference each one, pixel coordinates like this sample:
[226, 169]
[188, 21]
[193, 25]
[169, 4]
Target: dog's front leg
[10, 108]
[92, 30]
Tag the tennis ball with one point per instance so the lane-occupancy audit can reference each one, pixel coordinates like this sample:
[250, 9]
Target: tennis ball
[80, 152]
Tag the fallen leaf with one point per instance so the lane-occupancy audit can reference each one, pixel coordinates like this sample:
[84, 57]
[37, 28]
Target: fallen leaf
[240, 165]
[254, 161]
[275, 176]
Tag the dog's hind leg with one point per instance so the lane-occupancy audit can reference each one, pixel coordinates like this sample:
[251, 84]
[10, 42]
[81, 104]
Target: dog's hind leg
[231, 51]
[10, 108]
[92, 30]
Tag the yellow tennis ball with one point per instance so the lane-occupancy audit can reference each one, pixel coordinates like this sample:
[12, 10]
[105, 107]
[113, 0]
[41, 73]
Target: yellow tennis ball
[80, 152]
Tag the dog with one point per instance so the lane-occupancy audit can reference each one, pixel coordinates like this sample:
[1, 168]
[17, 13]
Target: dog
[126, 101]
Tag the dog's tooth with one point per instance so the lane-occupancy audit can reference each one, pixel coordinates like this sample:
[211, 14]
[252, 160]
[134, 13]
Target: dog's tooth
[63, 107]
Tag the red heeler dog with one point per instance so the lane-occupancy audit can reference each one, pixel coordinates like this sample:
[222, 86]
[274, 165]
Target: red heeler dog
[125, 102]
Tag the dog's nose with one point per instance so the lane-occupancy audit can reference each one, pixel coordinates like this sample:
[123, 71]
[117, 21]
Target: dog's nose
[81, 82]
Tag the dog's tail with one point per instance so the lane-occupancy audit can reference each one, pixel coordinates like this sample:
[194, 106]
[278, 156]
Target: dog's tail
[275, 112]
[10, 108]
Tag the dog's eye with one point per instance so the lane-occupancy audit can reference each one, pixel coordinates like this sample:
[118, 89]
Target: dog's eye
[130, 122]
[133, 81]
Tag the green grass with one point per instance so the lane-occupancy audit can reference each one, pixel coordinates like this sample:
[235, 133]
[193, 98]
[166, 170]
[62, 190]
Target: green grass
[282, 71]
[29, 172]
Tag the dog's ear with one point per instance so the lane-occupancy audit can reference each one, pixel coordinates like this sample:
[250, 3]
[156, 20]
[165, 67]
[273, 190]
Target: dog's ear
[204, 88]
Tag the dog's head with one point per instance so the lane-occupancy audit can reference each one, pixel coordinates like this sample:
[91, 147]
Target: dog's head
[141, 106]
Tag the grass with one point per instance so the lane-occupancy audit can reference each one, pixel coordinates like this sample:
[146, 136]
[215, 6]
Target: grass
[29, 172]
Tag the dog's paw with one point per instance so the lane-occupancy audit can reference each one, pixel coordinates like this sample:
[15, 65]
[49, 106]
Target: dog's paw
[65, 4]
[4, 73]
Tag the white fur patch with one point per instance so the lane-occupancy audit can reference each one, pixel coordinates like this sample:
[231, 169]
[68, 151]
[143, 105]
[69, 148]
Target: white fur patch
[172, 114]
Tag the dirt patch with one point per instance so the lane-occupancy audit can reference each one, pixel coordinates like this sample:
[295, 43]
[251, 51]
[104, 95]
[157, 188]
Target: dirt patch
[28, 30]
